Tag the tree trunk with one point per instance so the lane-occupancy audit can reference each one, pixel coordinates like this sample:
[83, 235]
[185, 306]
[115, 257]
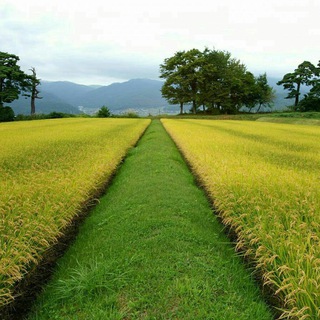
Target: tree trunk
[1, 84]
[258, 108]
[181, 107]
[33, 99]
[297, 95]
[194, 107]
[33, 106]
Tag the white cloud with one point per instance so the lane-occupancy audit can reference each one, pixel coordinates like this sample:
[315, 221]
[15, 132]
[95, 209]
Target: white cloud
[100, 42]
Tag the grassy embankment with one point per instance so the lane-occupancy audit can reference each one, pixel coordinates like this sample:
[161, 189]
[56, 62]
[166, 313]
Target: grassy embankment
[152, 249]
[305, 118]
[49, 171]
[264, 180]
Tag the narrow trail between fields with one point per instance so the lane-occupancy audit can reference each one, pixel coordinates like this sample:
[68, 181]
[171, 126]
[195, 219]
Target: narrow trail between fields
[151, 249]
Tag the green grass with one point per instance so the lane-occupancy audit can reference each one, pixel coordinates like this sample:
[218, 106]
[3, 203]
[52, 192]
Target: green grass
[304, 115]
[152, 249]
[291, 120]
[241, 116]
[307, 118]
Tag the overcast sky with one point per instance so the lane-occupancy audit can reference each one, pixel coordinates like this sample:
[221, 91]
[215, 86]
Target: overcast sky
[101, 42]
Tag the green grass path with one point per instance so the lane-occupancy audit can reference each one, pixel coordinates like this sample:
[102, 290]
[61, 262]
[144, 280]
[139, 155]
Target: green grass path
[152, 249]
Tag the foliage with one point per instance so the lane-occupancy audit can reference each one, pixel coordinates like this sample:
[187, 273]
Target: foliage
[263, 180]
[104, 112]
[12, 79]
[174, 93]
[307, 115]
[47, 177]
[130, 114]
[214, 80]
[6, 114]
[181, 74]
[262, 94]
[310, 103]
[56, 115]
[305, 74]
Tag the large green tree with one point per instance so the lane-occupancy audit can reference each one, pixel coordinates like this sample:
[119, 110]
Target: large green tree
[241, 84]
[210, 78]
[304, 74]
[181, 74]
[213, 78]
[311, 100]
[12, 78]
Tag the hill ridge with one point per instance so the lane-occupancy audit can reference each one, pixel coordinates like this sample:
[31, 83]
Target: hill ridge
[139, 94]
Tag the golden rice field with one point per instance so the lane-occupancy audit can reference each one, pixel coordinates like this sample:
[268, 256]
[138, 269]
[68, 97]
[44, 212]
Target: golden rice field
[264, 180]
[49, 170]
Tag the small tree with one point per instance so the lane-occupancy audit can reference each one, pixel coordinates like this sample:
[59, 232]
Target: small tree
[265, 93]
[104, 112]
[30, 85]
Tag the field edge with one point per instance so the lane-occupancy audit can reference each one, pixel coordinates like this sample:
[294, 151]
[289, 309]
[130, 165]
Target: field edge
[31, 285]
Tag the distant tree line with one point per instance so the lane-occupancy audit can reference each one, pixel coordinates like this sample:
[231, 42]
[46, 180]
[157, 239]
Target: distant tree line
[213, 81]
[305, 74]
[13, 83]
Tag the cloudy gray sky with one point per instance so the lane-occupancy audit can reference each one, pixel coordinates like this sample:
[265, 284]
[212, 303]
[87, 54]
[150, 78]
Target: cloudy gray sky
[100, 42]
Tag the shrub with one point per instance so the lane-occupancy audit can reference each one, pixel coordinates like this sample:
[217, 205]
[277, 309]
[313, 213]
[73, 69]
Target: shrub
[55, 115]
[130, 114]
[6, 114]
[104, 112]
[309, 103]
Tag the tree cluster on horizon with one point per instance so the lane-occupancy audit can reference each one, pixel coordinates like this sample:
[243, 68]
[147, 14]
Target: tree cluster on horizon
[210, 79]
[214, 80]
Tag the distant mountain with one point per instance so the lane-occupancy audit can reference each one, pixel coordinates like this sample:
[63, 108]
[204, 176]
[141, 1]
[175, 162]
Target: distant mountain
[49, 103]
[66, 91]
[140, 95]
[135, 94]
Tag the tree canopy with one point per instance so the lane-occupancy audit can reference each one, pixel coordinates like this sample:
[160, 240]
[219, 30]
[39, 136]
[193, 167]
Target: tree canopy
[214, 80]
[305, 74]
[13, 81]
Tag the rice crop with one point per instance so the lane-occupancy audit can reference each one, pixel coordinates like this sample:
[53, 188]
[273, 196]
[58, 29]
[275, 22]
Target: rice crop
[263, 179]
[49, 170]
[145, 251]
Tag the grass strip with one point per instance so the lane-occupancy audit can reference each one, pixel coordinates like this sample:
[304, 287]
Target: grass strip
[152, 249]
[303, 121]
